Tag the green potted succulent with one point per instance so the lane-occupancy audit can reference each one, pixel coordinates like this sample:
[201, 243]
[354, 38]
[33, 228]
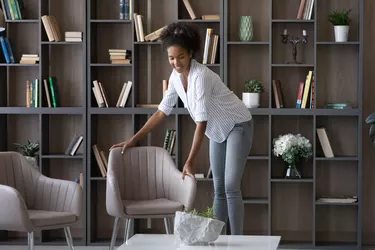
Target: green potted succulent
[251, 94]
[30, 150]
[193, 227]
[341, 21]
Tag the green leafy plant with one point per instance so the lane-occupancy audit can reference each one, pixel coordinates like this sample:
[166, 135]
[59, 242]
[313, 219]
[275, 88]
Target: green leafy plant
[208, 213]
[340, 17]
[28, 149]
[253, 86]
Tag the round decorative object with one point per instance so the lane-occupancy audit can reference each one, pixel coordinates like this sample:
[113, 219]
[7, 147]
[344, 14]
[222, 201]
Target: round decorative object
[246, 28]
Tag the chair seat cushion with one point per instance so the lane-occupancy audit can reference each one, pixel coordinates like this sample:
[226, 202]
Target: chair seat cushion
[151, 207]
[41, 218]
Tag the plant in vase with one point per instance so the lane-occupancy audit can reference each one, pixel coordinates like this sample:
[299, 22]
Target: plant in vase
[195, 228]
[340, 20]
[30, 151]
[292, 149]
[251, 94]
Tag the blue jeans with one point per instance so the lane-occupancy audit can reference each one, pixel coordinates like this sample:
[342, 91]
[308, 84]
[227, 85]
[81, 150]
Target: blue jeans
[228, 161]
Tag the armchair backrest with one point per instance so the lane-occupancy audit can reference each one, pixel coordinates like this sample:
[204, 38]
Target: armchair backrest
[16, 172]
[141, 173]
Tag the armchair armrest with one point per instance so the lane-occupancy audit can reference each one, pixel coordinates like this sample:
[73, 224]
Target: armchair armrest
[58, 195]
[180, 190]
[113, 202]
[13, 211]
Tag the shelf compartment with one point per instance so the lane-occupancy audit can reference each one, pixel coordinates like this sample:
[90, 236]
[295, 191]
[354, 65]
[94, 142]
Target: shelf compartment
[256, 219]
[69, 72]
[336, 78]
[59, 131]
[200, 8]
[332, 179]
[258, 10]
[17, 132]
[282, 125]
[103, 11]
[282, 53]
[29, 13]
[335, 128]
[325, 31]
[290, 79]
[20, 45]
[256, 175]
[255, 68]
[104, 37]
[107, 130]
[291, 212]
[112, 80]
[336, 226]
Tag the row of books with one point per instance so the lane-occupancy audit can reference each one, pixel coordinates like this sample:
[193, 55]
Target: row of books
[305, 9]
[193, 15]
[139, 30]
[120, 56]
[101, 159]
[169, 140]
[7, 49]
[12, 9]
[210, 47]
[74, 145]
[126, 9]
[50, 90]
[29, 59]
[52, 28]
[101, 96]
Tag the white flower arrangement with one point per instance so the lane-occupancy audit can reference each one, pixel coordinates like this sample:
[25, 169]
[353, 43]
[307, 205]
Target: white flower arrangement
[291, 148]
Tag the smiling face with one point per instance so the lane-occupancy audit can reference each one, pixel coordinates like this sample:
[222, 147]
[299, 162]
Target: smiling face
[179, 58]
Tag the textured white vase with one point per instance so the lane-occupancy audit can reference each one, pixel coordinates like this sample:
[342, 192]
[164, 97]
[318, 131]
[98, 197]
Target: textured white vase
[341, 33]
[251, 100]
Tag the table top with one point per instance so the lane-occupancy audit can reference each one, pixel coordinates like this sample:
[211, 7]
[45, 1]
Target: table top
[227, 242]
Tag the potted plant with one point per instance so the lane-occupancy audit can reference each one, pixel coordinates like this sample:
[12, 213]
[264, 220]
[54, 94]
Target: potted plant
[30, 151]
[251, 94]
[371, 120]
[194, 228]
[340, 20]
[292, 149]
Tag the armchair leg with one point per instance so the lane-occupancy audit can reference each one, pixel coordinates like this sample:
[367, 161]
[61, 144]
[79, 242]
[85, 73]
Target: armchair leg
[129, 224]
[126, 229]
[114, 233]
[167, 225]
[30, 239]
[69, 238]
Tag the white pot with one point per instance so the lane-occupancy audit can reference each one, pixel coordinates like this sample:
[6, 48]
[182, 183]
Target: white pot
[341, 33]
[251, 100]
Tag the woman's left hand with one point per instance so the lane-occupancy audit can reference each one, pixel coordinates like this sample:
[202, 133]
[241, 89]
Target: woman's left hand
[188, 170]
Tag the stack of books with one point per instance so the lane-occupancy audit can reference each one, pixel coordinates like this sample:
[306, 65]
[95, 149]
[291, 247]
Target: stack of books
[73, 36]
[120, 56]
[29, 59]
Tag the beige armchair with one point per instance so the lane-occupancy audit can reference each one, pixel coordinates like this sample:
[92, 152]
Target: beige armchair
[145, 183]
[30, 201]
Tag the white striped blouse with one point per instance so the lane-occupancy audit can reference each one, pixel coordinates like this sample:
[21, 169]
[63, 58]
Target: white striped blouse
[207, 99]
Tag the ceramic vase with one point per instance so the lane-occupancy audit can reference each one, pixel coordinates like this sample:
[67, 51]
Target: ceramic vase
[246, 28]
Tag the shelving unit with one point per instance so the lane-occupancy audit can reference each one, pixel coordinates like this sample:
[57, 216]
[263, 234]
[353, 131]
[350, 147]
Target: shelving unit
[53, 128]
[289, 207]
[273, 205]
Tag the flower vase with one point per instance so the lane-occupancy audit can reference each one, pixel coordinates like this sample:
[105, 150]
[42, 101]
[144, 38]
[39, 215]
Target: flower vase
[246, 28]
[292, 172]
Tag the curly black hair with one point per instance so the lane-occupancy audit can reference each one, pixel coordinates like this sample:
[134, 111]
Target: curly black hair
[183, 34]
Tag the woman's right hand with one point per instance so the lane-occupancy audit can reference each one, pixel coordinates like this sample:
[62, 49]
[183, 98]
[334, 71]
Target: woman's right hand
[125, 145]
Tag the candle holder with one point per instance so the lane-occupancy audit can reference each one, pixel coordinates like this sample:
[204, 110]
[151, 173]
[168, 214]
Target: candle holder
[294, 42]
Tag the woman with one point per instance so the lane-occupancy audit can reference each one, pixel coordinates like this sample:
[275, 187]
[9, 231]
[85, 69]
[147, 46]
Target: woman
[218, 113]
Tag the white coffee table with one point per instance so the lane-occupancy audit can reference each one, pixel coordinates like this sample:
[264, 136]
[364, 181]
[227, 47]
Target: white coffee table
[227, 242]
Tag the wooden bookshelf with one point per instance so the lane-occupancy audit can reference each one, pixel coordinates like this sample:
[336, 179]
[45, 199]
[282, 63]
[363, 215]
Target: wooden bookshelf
[52, 127]
[273, 205]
